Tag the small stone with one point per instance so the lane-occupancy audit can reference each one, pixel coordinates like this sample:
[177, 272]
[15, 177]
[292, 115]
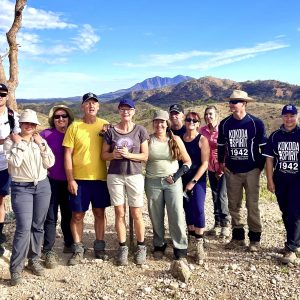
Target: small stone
[233, 267]
[174, 285]
[120, 292]
[147, 289]
[182, 285]
[145, 267]
[252, 268]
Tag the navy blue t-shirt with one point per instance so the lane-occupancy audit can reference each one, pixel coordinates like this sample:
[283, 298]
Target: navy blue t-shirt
[179, 132]
[283, 146]
[241, 139]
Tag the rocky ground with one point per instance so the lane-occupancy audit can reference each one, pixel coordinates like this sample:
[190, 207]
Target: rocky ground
[225, 274]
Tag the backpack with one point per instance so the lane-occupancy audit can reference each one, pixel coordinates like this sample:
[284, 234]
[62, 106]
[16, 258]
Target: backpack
[11, 119]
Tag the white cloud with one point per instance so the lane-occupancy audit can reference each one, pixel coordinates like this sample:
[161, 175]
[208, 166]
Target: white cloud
[206, 59]
[41, 19]
[86, 38]
[32, 18]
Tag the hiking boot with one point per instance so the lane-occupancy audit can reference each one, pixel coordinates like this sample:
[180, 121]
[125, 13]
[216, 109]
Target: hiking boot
[99, 250]
[140, 254]
[15, 278]
[235, 244]
[254, 246]
[216, 231]
[122, 256]
[289, 257]
[50, 259]
[159, 252]
[2, 250]
[75, 259]
[35, 266]
[78, 251]
[67, 249]
[200, 252]
[3, 238]
[225, 232]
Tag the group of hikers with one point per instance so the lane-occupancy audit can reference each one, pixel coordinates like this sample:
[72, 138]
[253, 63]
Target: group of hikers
[64, 167]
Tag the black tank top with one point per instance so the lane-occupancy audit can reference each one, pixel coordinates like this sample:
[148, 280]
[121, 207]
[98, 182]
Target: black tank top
[194, 152]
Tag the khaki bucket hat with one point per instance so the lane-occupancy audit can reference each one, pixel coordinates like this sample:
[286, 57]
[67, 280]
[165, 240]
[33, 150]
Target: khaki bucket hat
[240, 95]
[29, 116]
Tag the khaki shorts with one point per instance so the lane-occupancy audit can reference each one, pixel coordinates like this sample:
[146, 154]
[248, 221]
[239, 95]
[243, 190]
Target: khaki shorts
[120, 186]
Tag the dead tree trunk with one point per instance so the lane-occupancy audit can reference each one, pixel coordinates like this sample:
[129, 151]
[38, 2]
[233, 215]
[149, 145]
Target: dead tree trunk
[13, 81]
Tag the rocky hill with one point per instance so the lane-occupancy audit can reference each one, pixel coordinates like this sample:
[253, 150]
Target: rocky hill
[156, 82]
[214, 89]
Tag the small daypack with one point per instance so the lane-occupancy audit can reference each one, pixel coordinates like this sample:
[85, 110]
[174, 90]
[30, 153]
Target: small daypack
[11, 119]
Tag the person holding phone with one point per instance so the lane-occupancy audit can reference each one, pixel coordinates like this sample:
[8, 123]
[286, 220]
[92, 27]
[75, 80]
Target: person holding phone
[126, 147]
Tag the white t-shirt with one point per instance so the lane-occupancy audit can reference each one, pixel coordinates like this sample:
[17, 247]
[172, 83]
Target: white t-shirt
[4, 133]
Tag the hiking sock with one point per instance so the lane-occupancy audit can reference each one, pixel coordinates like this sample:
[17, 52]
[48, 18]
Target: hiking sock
[198, 236]
[122, 244]
[141, 243]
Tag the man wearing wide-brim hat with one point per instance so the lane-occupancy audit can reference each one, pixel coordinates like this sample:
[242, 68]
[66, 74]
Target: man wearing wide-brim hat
[241, 139]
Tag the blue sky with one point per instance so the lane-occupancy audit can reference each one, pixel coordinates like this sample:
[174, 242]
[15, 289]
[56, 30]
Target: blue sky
[72, 47]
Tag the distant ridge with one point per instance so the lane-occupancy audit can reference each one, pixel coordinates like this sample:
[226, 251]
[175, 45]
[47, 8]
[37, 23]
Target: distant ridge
[166, 91]
[207, 89]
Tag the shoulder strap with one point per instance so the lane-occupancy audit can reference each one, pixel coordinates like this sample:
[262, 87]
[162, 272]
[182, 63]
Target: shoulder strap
[11, 118]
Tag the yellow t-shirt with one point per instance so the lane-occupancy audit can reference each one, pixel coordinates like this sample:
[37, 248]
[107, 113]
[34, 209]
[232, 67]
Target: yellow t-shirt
[86, 143]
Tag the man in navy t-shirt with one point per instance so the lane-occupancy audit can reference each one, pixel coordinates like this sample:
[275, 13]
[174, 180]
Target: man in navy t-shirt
[283, 176]
[240, 141]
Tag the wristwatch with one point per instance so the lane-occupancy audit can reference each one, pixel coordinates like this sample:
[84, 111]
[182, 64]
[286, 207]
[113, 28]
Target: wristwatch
[194, 181]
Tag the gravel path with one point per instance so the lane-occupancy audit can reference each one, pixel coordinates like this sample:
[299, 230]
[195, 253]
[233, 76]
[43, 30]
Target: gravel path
[225, 274]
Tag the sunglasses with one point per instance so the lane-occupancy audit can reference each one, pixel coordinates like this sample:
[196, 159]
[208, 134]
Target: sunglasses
[235, 101]
[3, 95]
[28, 124]
[191, 120]
[57, 117]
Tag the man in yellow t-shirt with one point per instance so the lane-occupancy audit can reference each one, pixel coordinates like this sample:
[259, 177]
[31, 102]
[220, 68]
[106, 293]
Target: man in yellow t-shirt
[86, 175]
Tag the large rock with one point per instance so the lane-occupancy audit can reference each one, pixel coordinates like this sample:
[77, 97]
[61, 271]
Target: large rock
[180, 270]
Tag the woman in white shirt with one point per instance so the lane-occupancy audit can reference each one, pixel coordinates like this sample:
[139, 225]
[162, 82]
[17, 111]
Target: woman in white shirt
[28, 157]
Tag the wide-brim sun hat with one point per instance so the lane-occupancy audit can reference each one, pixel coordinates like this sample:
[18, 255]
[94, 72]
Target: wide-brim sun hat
[160, 115]
[240, 95]
[29, 116]
[57, 107]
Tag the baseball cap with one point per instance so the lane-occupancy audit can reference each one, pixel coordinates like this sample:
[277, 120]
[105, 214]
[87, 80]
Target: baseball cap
[3, 87]
[161, 115]
[128, 102]
[176, 107]
[88, 96]
[289, 109]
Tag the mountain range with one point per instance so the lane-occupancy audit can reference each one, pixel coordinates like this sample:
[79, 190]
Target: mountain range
[148, 84]
[206, 89]
[163, 91]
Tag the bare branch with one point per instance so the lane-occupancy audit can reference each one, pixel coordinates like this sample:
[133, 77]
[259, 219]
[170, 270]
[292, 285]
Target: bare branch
[11, 35]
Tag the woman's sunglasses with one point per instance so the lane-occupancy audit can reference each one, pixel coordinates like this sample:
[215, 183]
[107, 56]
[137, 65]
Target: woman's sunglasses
[191, 120]
[57, 117]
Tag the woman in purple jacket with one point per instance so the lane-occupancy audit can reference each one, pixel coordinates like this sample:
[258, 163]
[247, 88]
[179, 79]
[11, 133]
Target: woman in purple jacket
[60, 117]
